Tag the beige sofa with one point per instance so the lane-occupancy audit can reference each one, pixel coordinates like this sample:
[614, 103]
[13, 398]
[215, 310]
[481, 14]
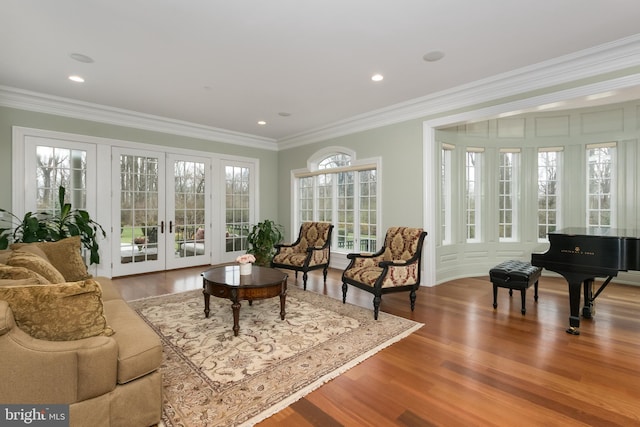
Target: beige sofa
[74, 342]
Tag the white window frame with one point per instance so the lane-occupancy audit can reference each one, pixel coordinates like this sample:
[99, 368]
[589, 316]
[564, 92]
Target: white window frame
[512, 195]
[477, 194]
[446, 191]
[558, 188]
[355, 166]
[612, 188]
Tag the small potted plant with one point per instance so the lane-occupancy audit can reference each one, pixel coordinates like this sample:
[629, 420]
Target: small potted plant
[262, 239]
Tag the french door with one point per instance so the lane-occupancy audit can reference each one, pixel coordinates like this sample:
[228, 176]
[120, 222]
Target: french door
[160, 207]
[188, 209]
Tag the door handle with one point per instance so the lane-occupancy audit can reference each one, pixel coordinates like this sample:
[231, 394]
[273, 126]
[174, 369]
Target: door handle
[161, 227]
[170, 226]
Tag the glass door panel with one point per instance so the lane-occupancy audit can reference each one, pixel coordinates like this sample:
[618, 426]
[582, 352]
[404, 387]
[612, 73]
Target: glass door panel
[237, 208]
[189, 236]
[139, 211]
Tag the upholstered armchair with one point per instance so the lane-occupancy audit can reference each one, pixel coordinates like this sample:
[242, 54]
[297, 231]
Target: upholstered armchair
[311, 251]
[394, 268]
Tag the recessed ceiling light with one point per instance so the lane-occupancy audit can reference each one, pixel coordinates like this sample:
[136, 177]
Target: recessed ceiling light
[433, 56]
[377, 77]
[76, 79]
[284, 114]
[81, 58]
[262, 123]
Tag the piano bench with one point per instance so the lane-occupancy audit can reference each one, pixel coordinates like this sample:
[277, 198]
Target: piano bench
[518, 275]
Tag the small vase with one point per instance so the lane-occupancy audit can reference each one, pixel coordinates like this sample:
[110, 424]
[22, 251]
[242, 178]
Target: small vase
[245, 269]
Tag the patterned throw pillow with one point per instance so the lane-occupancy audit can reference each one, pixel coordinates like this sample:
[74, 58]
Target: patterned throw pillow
[20, 258]
[17, 273]
[58, 312]
[64, 255]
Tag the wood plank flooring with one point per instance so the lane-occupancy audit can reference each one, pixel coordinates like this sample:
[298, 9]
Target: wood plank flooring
[471, 365]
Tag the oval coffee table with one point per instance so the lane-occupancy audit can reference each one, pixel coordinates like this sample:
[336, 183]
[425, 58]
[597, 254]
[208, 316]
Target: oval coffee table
[226, 282]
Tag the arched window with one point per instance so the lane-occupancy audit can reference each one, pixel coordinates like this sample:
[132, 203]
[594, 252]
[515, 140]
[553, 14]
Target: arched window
[339, 189]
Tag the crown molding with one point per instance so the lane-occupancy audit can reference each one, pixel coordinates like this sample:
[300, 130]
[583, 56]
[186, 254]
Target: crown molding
[599, 60]
[49, 104]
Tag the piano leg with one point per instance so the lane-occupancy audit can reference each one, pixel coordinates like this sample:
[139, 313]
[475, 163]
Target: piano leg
[574, 304]
[588, 310]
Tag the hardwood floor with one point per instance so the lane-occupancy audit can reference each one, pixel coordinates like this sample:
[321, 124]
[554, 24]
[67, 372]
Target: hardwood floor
[471, 365]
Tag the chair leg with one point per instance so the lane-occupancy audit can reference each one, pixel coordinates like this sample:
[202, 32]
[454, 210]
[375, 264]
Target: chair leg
[495, 296]
[412, 297]
[344, 292]
[523, 297]
[376, 306]
[535, 288]
[304, 279]
[324, 273]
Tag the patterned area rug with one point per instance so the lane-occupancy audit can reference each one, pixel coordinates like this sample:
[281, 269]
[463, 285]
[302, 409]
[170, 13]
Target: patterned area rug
[212, 378]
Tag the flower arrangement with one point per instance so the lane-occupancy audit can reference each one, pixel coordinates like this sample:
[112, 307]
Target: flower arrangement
[246, 259]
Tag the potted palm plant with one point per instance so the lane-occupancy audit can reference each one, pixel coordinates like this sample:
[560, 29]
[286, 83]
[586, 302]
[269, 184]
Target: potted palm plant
[262, 239]
[44, 226]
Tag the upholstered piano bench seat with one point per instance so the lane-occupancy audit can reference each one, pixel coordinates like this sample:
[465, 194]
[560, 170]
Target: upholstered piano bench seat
[518, 275]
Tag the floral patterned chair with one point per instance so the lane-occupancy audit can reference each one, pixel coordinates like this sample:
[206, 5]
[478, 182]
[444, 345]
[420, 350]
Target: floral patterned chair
[311, 251]
[394, 268]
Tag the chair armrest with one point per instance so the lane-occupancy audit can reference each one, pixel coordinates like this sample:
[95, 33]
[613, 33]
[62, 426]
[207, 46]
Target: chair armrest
[283, 245]
[40, 371]
[396, 263]
[361, 255]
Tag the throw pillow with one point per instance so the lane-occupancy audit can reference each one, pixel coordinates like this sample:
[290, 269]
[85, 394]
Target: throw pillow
[64, 255]
[16, 273]
[31, 247]
[4, 255]
[58, 312]
[20, 258]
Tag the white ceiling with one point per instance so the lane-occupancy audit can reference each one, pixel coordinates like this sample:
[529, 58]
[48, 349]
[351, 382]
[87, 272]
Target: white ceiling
[229, 63]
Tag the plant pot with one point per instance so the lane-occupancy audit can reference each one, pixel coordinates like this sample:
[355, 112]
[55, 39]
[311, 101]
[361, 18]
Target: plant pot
[245, 269]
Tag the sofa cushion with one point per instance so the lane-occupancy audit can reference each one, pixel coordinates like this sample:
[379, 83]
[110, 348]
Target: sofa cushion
[58, 312]
[65, 255]
[16, 273]
[139, 347]
[20, 258]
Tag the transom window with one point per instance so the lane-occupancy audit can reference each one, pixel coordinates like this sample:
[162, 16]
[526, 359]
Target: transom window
[344, 192]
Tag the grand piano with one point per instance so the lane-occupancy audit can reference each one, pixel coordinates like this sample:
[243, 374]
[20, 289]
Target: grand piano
[582, 254]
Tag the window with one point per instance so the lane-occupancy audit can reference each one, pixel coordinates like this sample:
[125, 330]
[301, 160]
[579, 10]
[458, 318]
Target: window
[237, 207]
[548, 191]
[338, 190]
[473, 188]
[507, 200]
[445, 193]
[57, 166]
[600, 167]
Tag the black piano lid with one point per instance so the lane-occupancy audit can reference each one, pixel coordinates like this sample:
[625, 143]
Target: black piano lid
[599, 232]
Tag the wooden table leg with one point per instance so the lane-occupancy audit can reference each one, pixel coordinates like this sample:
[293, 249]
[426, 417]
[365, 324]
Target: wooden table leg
[206, 304]
[236, 317]
[283, 297]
